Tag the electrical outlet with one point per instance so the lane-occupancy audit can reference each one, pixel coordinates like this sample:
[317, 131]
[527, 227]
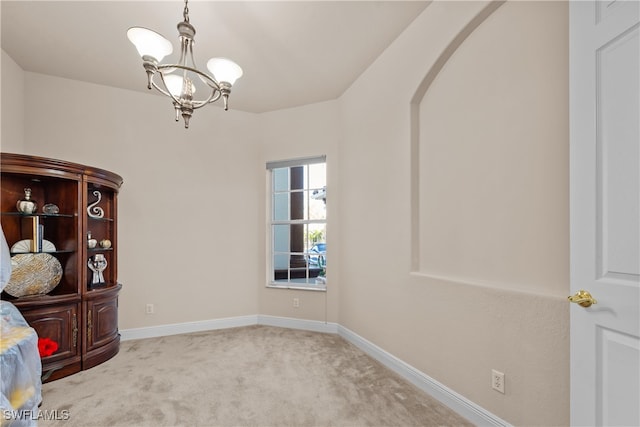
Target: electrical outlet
[149, 309]
[296, 302]
[497, 381]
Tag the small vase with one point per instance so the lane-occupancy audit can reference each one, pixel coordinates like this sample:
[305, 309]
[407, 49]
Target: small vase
[91, 243]
[27, 205]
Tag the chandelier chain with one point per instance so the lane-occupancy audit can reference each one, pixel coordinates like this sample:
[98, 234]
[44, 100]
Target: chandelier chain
[185, 14]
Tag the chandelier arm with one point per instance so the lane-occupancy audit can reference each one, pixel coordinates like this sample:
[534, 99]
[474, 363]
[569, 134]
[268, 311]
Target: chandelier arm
[209, 80]
[217, 96]
[194, 105]
[213, 97]
[183, 59]
[190, 53]
[193, 61]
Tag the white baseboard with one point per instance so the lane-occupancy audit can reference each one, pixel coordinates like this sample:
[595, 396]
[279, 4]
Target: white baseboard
[229, 322]
[188, 327]
[442, 393]
[291, 323]
[474, 413]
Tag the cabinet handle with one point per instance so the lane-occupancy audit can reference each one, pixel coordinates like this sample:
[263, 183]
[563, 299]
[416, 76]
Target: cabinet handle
[89, 327]
[75, 330]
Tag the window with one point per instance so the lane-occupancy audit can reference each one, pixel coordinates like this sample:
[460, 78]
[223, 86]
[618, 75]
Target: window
[298, 223]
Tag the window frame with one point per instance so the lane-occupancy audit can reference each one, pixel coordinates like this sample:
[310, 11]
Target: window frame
[272, 222]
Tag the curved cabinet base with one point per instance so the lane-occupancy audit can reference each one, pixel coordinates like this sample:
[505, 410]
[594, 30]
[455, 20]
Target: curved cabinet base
[102, 354]
[53, 373]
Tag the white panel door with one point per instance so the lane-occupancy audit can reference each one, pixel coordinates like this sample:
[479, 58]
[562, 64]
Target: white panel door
[605, 212]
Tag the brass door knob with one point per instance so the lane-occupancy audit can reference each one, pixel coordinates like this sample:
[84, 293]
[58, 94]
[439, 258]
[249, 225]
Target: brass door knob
[583, 298]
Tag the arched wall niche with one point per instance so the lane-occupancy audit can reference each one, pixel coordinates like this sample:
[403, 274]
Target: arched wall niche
[488, 153]
[416, 100]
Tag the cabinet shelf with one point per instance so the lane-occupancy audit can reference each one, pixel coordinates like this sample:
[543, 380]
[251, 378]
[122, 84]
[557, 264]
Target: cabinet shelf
[99, 286]
[103, 289]
[101, 219]
[63, 251]
[40, 215]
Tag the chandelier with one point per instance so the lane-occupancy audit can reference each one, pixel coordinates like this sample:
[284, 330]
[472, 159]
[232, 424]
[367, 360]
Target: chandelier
[178, 81]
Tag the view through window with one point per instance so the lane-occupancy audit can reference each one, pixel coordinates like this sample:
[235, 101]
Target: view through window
[299, 223]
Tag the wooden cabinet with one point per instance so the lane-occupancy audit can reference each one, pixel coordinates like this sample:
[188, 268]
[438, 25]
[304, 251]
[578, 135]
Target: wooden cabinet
[81, 312]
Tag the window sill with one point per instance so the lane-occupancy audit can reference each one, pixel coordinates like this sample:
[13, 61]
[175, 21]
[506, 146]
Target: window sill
[319, 287]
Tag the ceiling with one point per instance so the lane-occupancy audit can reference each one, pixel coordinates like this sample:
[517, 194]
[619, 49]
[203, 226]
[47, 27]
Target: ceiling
[292, 52]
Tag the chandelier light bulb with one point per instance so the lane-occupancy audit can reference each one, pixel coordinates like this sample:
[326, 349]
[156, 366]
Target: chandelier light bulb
[175, 85]
[149, 43]
[224, 70]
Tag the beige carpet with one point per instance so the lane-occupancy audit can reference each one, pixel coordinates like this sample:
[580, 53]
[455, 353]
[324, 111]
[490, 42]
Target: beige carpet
[249, 376]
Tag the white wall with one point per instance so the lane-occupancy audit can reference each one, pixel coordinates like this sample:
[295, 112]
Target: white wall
[493, 142]
[303, 132]
[189, 209]
[12, 108]
[490, 290]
